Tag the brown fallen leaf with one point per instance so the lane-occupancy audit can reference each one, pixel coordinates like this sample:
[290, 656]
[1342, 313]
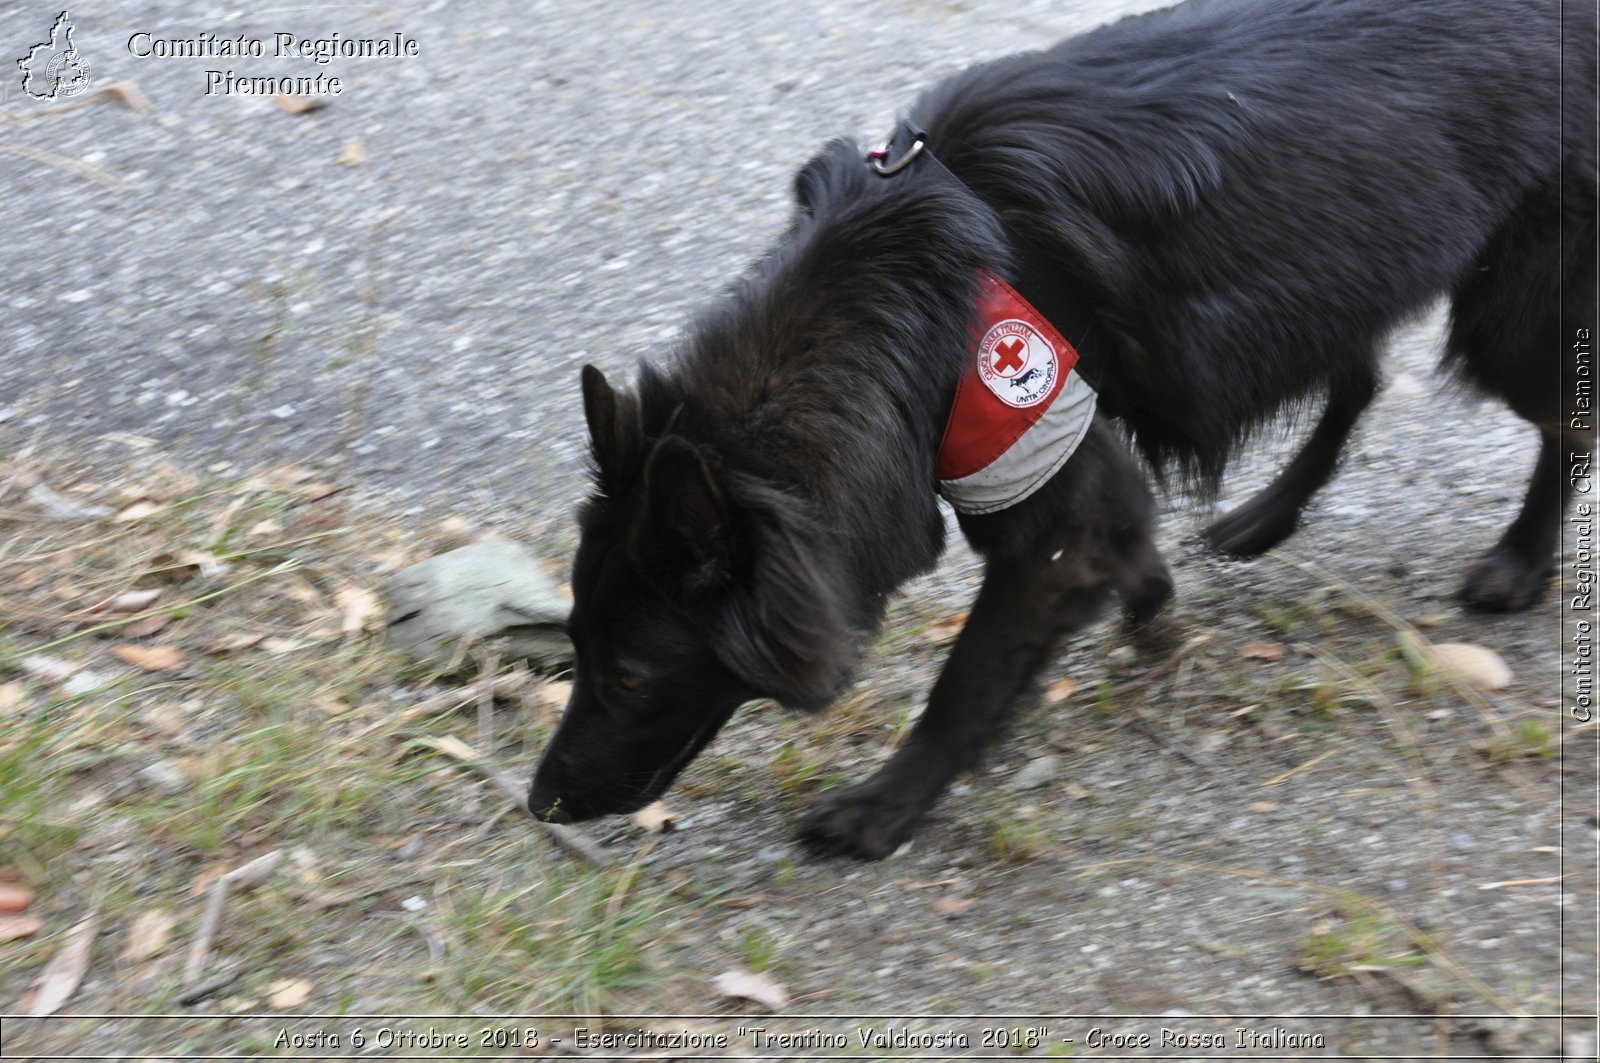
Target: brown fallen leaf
[11, 695]
[1060, 690]
[352, 153]
[358, 608]
[1474, 665]
[950, 907]
[555, 694]
[138, 511]
[19, 927]
[150, 658]
[748, 985]
[14, 898]
[297, 104]
[288, 993]
[148, 935]
[64, 973]
[655, 817]
[150, 625]
[1263, 651]
[946, 629]
[224, 644]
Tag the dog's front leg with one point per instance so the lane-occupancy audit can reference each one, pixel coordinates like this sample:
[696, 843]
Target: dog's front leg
[1024, 606]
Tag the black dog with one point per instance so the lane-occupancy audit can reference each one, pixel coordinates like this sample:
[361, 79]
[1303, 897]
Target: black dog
[1226, 206]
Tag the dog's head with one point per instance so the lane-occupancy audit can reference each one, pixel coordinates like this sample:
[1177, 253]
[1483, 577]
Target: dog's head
[696, 588]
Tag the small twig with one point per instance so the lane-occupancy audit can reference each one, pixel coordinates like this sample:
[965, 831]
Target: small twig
[123, 621]
[206, 932]
[491, 665]
[244, 877]
[1508, 883]
[573, 841]
[73, 166]
[201, 990]
[1302, 766]
[495, 686]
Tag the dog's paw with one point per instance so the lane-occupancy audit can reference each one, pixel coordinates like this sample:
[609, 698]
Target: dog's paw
[866, 821]
[1254, 528]
[1504, 581]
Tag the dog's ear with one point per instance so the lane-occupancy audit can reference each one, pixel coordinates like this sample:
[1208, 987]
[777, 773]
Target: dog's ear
[821, 179]
[614, 431]
[781, 628]
[688, 512]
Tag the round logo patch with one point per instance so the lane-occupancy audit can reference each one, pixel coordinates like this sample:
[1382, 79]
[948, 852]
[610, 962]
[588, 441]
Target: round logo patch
[1016, 363]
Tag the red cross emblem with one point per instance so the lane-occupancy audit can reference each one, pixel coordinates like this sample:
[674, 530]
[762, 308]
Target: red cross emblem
[1008, 355]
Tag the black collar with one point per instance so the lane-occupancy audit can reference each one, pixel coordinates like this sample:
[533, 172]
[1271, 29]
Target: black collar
[1035, 274]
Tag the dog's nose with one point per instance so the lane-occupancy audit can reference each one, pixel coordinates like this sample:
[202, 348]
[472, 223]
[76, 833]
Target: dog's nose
[547, 807]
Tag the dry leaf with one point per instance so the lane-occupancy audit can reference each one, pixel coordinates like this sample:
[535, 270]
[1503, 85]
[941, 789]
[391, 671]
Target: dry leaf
[18, 927]
[748, 985]
[1060, 690]
[655, 817]
[64, 973]
[950, 907]
[14, 898]
[148, 935]
[297, 104]
[134, 601]
[1476, 666]
[150, 625]
[555, 694]
[277, 647]
[262, 529]
[203, 880]
[352, 153]
[946, 629]
[11, 695]
[450, 746]
[1263, 806]
[150, 658]
[289, 993]
[331, 705]
[1263, 651]
[138, 511]
[357, 607]
[233, 643]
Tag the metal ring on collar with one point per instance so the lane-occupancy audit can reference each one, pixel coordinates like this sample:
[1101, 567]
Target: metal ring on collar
[878, 156]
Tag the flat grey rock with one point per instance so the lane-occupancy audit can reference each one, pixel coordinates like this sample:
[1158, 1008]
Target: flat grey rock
[494, 588]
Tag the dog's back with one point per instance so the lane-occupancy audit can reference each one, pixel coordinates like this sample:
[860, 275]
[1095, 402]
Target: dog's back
[1370, 149]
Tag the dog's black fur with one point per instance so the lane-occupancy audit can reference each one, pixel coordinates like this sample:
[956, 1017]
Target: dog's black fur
[1250, 194]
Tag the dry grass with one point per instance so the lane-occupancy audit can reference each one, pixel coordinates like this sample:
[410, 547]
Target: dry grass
[198, 677]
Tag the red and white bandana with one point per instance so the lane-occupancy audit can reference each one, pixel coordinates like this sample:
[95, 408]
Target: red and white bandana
[1019, 411]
